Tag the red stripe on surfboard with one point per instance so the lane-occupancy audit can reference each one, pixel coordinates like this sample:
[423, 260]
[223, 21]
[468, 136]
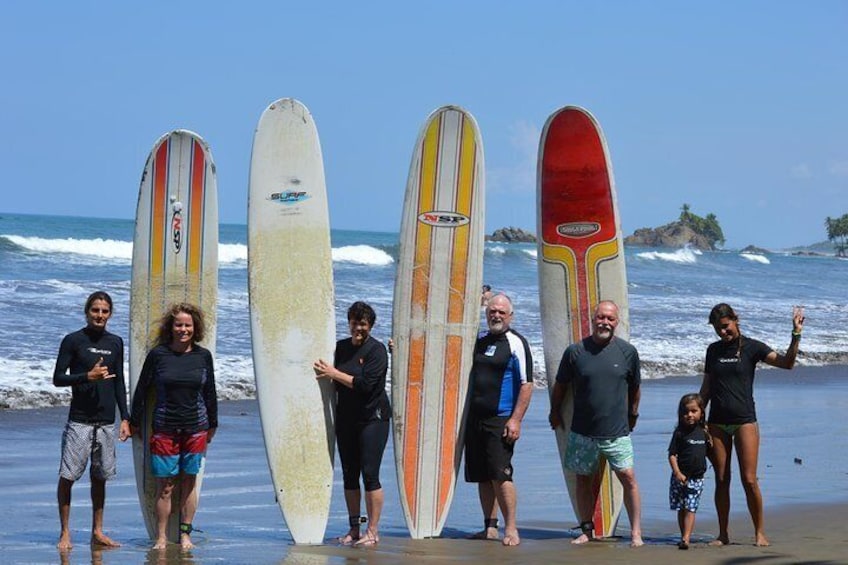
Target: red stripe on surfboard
[196, 218]
[158, 198]
[158, 225]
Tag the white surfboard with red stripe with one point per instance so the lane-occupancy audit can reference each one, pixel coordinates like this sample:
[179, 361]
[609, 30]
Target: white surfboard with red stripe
[175, 259]
[436, 313]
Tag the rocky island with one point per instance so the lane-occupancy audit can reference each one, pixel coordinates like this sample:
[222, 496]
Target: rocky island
[511, 235]
[688, 230]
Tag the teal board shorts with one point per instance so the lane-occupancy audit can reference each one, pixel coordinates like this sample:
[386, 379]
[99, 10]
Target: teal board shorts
[582, 455]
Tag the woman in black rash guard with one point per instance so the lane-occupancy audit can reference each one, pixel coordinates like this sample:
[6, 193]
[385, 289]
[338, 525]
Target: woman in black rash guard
[728, 389]
[362, 418]
[185, 416]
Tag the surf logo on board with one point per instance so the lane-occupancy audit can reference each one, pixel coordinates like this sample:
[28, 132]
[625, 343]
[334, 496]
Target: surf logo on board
[177, 225]
[578, 229]
[289, 197]
[440, 219]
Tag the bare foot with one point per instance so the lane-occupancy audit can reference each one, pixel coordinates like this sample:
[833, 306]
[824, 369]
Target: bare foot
[64, 542]
[720, 540]
[185, 542]
[370, 539]
[488, 534]
[761, 541]
[349, 538]
[684, 544]
[511, 537]
[636, 541]
[161, 543]
[581, 539]
[101, 539]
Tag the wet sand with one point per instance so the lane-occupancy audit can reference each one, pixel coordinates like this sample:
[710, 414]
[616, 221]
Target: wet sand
[803, 474]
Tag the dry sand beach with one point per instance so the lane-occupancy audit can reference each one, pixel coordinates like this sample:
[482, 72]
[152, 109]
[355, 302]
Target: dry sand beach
[803, 473]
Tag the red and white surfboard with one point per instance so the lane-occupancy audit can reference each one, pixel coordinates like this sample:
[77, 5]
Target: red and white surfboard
[581, 262]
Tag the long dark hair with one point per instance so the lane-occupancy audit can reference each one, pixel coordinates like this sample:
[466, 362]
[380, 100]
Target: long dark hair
[166, 324]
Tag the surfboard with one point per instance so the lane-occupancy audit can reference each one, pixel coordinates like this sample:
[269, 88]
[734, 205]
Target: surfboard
[292, 324]
[436, 313]
[581, 262]
[175, 259]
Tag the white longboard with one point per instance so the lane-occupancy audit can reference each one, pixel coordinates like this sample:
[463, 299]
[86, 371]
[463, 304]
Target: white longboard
[292, 323]
[436, 313]
[175, 259]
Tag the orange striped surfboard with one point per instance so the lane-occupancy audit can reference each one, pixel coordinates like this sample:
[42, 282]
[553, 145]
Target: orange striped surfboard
[581, 262]
[436, 313]
[175, 259]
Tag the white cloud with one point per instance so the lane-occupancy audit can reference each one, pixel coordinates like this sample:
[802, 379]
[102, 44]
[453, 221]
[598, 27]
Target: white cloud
[801, 171]
[838, 168]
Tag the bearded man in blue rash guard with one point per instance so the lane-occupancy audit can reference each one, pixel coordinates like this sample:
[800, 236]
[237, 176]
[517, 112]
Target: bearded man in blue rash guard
[500, 388]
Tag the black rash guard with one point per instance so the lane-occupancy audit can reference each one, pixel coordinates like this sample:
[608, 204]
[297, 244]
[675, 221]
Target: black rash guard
[730, 370]
[92, 402]
[186, 400]
[690, 447]
[367, 364]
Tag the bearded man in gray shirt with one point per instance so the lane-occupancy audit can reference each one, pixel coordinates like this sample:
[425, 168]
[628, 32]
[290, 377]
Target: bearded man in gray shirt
[605, 375]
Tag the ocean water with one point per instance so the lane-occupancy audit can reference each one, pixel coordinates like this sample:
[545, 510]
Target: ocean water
[49, 265]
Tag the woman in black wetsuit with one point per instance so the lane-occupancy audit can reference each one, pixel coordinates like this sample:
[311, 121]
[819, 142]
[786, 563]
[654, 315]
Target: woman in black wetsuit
[362, 418]
[185, 417]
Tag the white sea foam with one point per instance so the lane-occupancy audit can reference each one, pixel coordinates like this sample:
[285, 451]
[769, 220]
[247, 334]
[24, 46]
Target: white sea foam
[497, 250]
[362, 255]
[756, 257]
[685, 255]
[100, 248]
[109, 249]
[29, 383]
[534, 253]
[232, 254]
[228, 253]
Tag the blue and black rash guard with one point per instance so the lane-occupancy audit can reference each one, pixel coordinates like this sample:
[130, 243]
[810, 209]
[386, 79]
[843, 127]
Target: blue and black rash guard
[502, 363]
[92, 402]
[186, 400]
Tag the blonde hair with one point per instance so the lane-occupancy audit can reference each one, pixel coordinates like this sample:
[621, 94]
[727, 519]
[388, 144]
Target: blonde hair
[166, 324]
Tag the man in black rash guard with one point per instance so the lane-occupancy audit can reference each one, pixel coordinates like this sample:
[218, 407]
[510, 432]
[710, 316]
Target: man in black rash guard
[91, 362]
[500, 388]
[605, 374]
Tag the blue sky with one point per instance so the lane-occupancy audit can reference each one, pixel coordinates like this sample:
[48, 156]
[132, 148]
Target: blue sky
[736, 108]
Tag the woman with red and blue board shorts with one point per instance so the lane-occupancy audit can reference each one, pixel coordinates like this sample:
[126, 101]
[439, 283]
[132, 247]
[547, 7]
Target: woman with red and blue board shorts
[185, 415]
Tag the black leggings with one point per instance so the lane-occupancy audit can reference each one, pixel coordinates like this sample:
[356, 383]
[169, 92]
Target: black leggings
[361, 447]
